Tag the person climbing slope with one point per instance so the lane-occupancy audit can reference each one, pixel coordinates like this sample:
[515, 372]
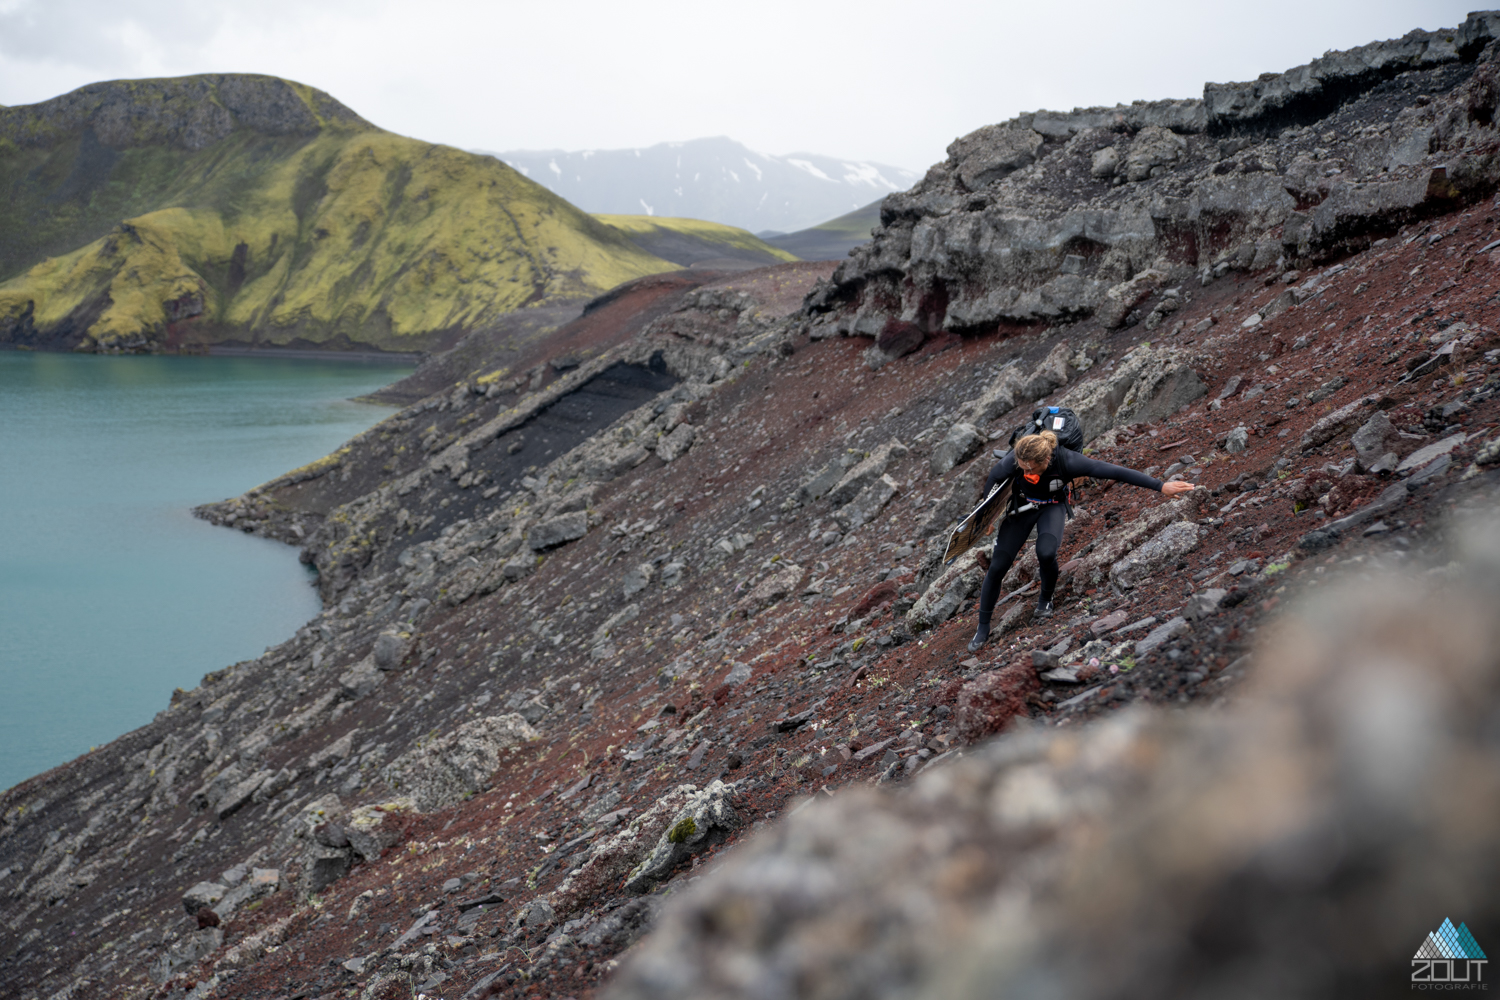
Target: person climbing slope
[1043, 471]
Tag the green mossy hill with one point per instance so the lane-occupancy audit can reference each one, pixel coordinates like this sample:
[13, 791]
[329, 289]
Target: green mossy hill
[832, 240]
[693, 241]
[261, 211]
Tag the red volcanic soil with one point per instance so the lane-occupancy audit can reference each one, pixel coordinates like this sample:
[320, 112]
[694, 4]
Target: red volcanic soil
[816, 702]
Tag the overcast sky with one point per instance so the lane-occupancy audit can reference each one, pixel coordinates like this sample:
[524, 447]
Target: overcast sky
[876, 80]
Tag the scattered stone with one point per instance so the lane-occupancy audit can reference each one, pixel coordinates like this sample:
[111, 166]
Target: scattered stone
[185, 953]
[557, 531]
[1136, 626]
[1204, 603]
[898, 338]
[1104, 162]
[738, 674]
[1108, 623]
[961, 443]
[791, 722]
[1147, 385]
[997, 399]
[241, 794]
[520, 565]
[1237, 441]
[638, 578]
[391, 649]
[706, 818]
[867, 504]
[1344, 419]
[943, 597]
[1170, 629]
[1372, 440]
[368, 832]
[486, 899]
[362, 678]
[1319, 539]
[1164, 549]
[673, 446]
[873, 749]
[1327, 389]
[202, 896]
[1422, 456]
[613, 857]
[988, 702]
[538, 913]
[1019, 616]
[825, 480]
[323, 866]
[776, 587]
[458, 763]
[1431, 470]
[1043, 659]
[866, 472]
[1394, 496]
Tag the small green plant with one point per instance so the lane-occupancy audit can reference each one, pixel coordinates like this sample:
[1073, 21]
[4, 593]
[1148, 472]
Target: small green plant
[1127, 664]
[684, 829]
[1275, 568]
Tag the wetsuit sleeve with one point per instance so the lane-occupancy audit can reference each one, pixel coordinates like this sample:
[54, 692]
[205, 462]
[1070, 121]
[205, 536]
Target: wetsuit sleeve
[1003, 470]
[1076, 466]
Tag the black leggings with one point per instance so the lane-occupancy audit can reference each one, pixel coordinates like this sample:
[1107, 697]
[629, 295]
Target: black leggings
[1048, 520]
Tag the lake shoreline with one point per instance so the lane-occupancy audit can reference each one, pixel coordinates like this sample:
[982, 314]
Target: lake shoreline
[150, 439]
[225, 351]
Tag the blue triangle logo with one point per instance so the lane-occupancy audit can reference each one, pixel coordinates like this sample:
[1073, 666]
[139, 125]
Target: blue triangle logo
[1450, 942]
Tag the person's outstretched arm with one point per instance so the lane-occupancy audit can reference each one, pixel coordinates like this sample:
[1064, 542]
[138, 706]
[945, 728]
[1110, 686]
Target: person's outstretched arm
[1081, 465]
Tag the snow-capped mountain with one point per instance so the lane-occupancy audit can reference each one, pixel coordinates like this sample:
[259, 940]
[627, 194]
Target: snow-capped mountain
[717, 179]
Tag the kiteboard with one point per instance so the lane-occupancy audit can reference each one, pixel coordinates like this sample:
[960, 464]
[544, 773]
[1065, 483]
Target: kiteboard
[980, 523]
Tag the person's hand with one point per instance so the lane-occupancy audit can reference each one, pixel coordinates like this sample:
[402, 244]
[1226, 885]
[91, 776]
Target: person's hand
[1172, 489]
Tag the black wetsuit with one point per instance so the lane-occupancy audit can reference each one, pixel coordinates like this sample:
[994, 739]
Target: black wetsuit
[1048, 497]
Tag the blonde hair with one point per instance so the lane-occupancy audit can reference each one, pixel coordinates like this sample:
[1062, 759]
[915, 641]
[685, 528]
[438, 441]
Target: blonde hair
[1036, 449]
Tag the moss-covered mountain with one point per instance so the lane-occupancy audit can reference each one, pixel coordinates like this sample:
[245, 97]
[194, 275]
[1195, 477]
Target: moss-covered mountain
[694, 242]
[153, 214]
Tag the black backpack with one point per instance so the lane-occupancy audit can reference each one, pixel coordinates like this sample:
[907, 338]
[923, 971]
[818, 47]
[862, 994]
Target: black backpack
[1059, 420]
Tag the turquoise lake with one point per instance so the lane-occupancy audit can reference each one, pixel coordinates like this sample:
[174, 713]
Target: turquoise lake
[111, 592]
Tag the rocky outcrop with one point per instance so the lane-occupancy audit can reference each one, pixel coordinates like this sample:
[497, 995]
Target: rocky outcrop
[1052, 216]
[1309, 92]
